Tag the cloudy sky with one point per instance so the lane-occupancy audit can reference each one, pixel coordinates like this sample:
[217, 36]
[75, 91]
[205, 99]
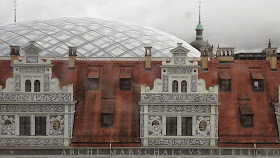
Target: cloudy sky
[244, 24]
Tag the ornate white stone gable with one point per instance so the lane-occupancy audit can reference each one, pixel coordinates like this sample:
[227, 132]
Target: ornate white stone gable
[32, 95]
[179, 109]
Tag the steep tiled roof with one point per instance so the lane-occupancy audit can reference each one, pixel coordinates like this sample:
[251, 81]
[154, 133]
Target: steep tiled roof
[125, 131]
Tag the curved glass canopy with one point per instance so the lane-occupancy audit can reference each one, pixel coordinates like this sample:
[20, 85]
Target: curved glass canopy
[93, 37]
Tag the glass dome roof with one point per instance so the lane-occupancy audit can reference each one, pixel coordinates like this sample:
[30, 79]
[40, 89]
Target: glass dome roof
[93, 37]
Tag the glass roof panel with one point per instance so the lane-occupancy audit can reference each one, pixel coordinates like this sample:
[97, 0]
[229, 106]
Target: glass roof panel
[94, 37]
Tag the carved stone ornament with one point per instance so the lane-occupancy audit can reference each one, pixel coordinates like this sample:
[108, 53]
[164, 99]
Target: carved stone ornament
[155, 126]
[179, 141]
[171, 98]
[179, 70]
[165, 83]
[193, 83]
[203, 125]
[32, 108]
[278, 123]
[216, 126]
[31, 69]
[56, 125]
[17, 82]
[46, 82]
[142, 125]
[27, 141]
[179, 108]
[8, 125]
[39, 97]
[32, 59]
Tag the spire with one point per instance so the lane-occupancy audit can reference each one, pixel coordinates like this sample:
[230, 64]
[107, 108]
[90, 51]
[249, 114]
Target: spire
[199, 27]
[269, 44]
[15, 9]
[199, 21]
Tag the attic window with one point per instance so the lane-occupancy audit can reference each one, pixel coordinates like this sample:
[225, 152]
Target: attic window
[224, 81]
[93, 79]
[107, 114]
[246, 115]
[257, 81]
[125, 80]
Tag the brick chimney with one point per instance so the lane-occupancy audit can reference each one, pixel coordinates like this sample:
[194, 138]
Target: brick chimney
[72, 57]
[14, 53]
[204, 58]
[148, 56]
[225, 55]
[271, 56]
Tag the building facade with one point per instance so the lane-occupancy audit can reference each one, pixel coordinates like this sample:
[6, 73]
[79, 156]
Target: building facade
[34, 109]
[179, 110]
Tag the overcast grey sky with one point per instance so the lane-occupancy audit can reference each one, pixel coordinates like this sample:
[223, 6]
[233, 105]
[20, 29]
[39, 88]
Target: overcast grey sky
[244, 24]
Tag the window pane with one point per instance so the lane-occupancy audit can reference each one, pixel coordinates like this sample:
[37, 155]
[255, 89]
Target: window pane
[171, 126]
[184, 86]
[37, 86]
[40, 125]
[175, 86]
[125, 84]
[93, 84]
[107, 120]
[27, 86]
[24, 125]
[186, 126]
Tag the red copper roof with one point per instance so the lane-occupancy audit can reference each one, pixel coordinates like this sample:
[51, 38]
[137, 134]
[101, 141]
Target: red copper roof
[125, 131]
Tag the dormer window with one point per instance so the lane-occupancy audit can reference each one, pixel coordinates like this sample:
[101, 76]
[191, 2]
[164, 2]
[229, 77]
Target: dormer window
[175, 86]
[125, 79]
[93, 79]
[37, 86]
[184, 86]
[225, 81]
[257, 81]
[246, 115]
[27, 86]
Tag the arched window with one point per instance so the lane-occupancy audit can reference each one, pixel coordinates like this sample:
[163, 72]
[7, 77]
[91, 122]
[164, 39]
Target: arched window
[27, 86]
[175, 86]
[184, 86]
[37, 86]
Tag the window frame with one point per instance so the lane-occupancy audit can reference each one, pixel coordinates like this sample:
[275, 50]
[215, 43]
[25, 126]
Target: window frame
[260, 85]
[227, 83]
[173, 125]
[44, 129]
[123, 84]
[107, 125]
[27, 85]
[184, 86]
[37, 86]
[26, 126]
[175, 86]
[244, 120]
[93, 84]
[188, 127]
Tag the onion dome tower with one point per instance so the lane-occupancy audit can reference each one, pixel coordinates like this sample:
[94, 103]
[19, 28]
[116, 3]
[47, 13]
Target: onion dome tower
[199, 42]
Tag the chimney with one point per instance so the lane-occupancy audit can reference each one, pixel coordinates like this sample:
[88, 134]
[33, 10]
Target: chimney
[14, 53]
[148, 56]
[204, 58]
[72, 57]
[225, 55]
[271, 56]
